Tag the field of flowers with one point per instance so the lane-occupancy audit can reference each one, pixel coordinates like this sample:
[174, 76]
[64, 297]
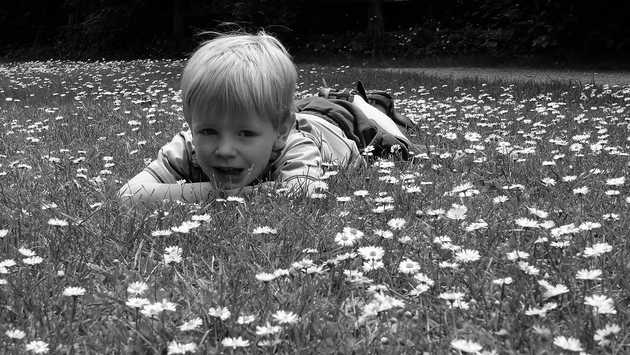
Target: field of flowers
[508, 234]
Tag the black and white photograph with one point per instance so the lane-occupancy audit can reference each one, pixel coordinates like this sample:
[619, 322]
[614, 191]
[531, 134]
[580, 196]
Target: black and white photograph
[314, 177]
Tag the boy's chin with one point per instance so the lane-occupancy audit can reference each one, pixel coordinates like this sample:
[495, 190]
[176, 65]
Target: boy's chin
[231, 186]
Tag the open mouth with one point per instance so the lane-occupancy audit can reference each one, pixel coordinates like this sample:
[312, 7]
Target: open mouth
[228, 171]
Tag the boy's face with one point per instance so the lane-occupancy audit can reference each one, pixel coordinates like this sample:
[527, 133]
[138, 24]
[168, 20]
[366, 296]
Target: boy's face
[235, 149]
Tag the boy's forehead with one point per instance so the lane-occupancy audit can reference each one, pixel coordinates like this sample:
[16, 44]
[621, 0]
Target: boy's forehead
[209, 117]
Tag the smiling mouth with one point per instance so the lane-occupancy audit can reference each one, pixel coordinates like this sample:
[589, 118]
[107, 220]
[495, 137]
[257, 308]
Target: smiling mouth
[228, 171]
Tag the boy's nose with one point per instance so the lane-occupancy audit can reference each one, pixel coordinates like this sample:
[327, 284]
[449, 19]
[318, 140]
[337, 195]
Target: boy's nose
[225, 148]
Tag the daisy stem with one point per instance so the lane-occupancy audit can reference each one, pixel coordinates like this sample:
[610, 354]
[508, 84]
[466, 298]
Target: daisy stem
[74, 307]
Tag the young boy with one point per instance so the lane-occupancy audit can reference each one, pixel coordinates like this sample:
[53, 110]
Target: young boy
[238, 100]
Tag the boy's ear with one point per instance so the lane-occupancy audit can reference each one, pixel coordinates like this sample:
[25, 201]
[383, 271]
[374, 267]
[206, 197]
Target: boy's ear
[283, 132]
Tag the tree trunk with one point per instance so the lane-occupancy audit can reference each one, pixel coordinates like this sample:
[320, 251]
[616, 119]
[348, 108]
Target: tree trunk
[376, 27]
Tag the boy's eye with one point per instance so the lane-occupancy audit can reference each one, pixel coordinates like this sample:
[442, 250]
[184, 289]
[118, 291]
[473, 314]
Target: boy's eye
[206, 131]
[248, 133]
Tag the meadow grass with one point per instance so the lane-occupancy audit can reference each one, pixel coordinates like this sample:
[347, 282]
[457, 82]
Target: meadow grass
[507, 234]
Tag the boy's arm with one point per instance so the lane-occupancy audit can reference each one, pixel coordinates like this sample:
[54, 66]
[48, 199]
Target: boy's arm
[300, 166]
[144, 187]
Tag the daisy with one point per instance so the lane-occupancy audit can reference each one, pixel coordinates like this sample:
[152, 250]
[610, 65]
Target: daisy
[302, 264]
[476, 225]
[610, 217]
[601, 334]
[460, 304]
[616, 181]
[73, 291]
[371, 252]
[581, 190]
[568, 344]
[235, 199]
[179, 348]
[597, 249]
[370, 265]
[547, 224]
[459, 188]
[538, 213]
[517, 254]
[268, 329]
[161, 233]
[353, 233]
[385, 199]
[541, 312]
[601, 304]
[457, 212]
[419, 289]
[467, 255]
[245, 319]
[528, 268]
[37, 347]
[219, 312]
[361, 193]
[585, 274]
[191, 324]
[448, 265]
[437, 212]
[410, 189]
[167, 305]
[405, 239]
[424, 283]
[396, 223]
[269, 342]
[385, 234]
[172, 254]
[540, 330]
[526, 222]
[265, 276]
[7, 263]
[137, 302]
[137, 287]
[34, 260]
[186, 226]
[356, 277]
[499, 199]
[235, 342]
[451, 296]
[408, 266]
[587, 226]
[26, 252]
[551, 290]
[15, 334]
[285, 317]
[58, 223]
[201, 217]
[345, 240]
[503, 281]
[466, 346]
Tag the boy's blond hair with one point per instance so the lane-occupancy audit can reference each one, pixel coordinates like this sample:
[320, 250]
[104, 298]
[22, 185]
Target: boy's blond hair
[240, 74]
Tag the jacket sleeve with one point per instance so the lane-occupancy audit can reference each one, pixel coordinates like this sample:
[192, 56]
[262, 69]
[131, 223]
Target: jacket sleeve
[299, 165]
[173, 160]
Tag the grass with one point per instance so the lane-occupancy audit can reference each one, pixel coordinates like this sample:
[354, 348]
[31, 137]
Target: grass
[509, 236]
